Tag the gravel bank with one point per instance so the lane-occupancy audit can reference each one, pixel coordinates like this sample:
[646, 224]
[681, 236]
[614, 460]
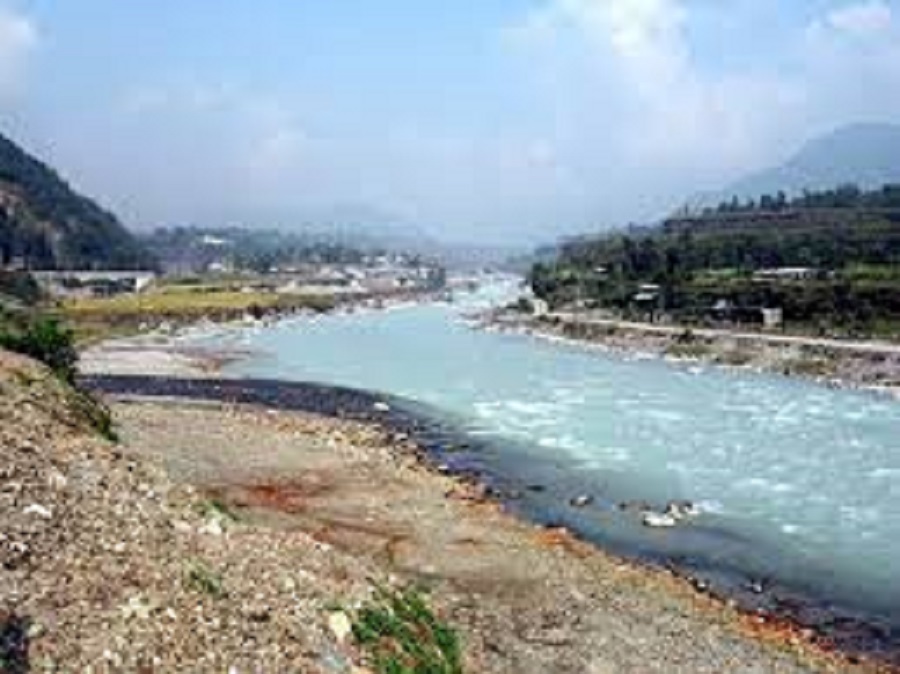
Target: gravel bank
[526, 600]
[119, 557]
[156, 355]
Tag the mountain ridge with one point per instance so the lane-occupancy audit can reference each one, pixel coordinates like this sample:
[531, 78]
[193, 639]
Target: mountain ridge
[866, 154]
[46, 224]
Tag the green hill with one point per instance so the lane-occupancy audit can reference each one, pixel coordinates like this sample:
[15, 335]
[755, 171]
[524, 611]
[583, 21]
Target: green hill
[44, 224]
[829, 259]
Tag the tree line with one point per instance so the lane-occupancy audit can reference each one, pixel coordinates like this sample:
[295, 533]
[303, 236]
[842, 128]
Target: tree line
[849, 239]
[843, 196]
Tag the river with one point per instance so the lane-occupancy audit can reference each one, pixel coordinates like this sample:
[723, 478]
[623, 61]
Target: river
[798, 485]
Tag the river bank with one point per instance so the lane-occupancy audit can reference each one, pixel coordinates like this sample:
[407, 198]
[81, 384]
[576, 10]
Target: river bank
[485, 466]
[525, 600]
[172, 350]
[872, 366]
[175, 309]
[111, 565]
[220, 537]
[769, 611]
[157, 355]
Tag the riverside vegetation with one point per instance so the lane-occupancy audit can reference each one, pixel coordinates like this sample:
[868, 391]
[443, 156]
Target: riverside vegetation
[95, 318]
[46, 339]
[401, 635]
[840, 250]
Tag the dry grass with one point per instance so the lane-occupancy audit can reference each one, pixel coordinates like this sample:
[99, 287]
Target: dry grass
[184, 303]
[99, 317]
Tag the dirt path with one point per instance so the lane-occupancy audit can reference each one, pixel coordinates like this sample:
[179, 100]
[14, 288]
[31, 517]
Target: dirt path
[526, 600]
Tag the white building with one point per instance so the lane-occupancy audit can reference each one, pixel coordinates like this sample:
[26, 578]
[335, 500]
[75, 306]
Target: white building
[63, 283]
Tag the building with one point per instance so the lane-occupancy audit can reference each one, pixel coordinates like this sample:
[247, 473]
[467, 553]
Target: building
[772, 319]
[539, 307]
[726, 312]
[786, 274]
[93, 283]
[648, 301]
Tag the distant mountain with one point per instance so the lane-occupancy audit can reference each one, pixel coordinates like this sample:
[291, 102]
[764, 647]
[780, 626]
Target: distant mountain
[44, 224]
[363, 224]
[865, 154]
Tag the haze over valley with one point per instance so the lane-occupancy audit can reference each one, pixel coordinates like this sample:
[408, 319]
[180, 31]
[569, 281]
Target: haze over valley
[515, 121]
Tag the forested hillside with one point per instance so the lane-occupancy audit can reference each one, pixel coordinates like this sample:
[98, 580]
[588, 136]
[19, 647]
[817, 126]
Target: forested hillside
[44, 224]
[844, 245]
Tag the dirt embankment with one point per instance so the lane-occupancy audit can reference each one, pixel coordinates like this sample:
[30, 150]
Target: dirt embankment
[109, 566]
[128, 557]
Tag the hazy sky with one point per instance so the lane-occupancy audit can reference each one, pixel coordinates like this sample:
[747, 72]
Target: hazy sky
[475, 119]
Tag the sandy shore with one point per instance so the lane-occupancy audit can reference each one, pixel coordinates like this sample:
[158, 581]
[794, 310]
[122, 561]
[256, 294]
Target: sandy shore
[161, 354]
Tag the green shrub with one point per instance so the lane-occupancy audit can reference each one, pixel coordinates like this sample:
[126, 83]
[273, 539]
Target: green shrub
[94, 411]
[200, 578]
[45, 339]
[216, 508]
[20, 287]
[400, 634]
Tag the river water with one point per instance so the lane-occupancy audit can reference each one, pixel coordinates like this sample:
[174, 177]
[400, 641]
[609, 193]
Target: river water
[798, 485]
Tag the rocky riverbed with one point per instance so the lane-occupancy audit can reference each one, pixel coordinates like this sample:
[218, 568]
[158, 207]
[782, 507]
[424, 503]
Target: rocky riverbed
[220, 537]
[871, 366]
[437, 446]
[526, 600]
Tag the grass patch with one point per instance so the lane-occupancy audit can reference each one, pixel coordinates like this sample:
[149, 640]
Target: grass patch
[96, 318]
[735, 357]
[399, 634]
[200, 578]
[189, 303]
[216, 508]
[810, 367]
[94, 411]
[689, 350]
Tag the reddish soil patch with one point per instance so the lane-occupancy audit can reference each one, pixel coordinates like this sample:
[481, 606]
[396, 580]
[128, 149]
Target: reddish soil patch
[287, 497]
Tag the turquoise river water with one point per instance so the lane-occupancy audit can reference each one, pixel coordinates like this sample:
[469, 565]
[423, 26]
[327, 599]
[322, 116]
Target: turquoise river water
[796, 483]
